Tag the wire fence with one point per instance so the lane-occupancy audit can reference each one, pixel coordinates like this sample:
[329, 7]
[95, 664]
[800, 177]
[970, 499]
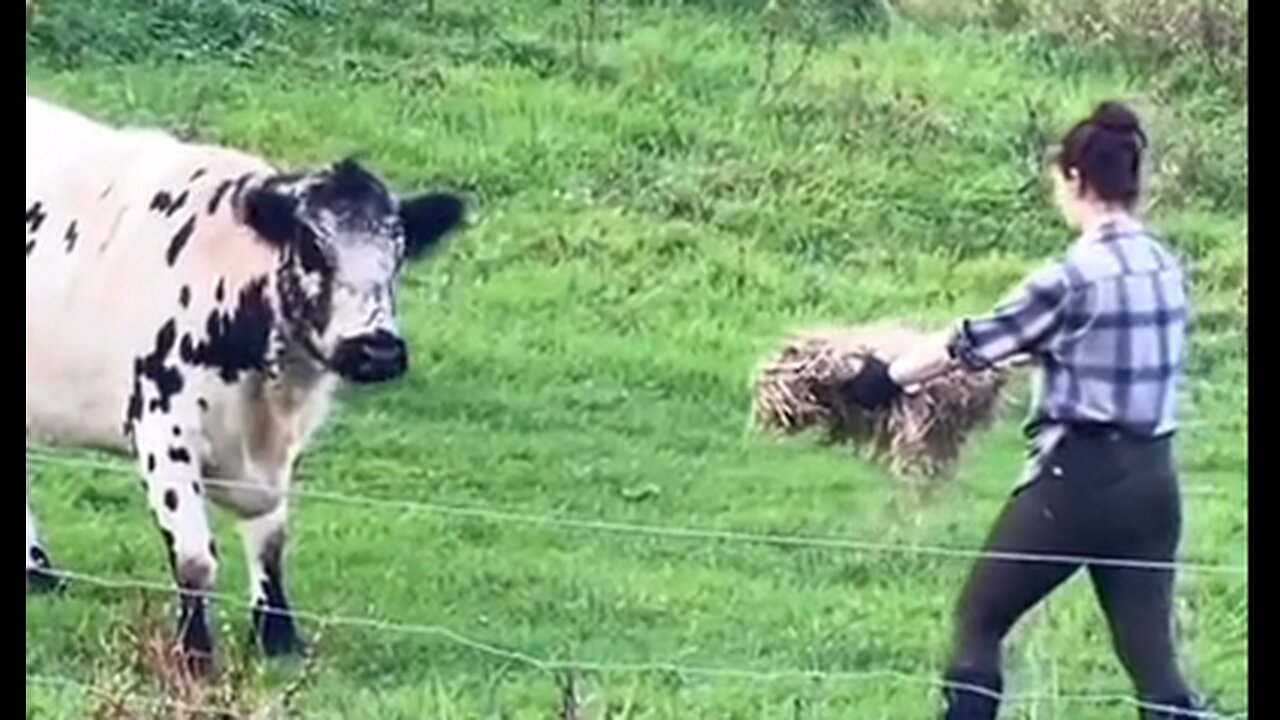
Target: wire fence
[604, 667]
[690, 533]
[502, 516]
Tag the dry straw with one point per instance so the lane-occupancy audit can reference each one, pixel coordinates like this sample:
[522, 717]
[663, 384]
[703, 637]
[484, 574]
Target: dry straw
[920, 435]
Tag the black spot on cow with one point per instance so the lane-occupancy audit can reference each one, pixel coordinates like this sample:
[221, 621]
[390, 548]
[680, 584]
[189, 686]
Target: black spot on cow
[199, 173]
[71, 236]
[166, 380]
[31, 245]
[179, 240]
[218, 192]
[177, 431]
[202, 404]
[171, 500]
[241, 182]
[272, 214]
[35, 217]
[133, 410]
[195, 488]
[235, 341]
[184, 296]
[165, 203]
[40, 557]
[170, 550]
[151, 462]
[180, 455]
[220, 292]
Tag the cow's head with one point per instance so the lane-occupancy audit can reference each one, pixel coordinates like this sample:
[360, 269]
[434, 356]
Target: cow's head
[344, 239]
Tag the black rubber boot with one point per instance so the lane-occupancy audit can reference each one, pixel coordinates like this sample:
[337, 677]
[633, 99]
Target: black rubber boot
[972, 695]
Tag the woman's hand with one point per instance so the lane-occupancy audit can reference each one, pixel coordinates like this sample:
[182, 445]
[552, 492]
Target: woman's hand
[927, 360]
[873, 387]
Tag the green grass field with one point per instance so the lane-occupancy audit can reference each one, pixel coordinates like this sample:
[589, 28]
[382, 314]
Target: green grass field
[663, 190]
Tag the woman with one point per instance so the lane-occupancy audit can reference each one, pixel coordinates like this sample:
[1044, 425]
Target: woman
[1107, 326]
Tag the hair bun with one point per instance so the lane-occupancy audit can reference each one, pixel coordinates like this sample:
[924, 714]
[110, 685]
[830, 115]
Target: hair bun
[1116, 117]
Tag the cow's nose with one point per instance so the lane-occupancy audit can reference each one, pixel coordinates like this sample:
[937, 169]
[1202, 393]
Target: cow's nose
[370, 358]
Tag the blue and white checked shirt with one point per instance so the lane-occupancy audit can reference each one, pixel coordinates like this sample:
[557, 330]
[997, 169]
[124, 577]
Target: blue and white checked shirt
[1107, 324]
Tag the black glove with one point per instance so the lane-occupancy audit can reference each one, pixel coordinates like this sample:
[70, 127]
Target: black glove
[872, 388]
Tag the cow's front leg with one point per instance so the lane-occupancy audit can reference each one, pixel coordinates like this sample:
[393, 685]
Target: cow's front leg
[167, 450]
[40, 574]
[273, 625]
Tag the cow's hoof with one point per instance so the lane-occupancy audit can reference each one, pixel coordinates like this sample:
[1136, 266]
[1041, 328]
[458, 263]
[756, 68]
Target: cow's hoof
[196, 640]
[43, 582]
[277, 636]
[295, 649]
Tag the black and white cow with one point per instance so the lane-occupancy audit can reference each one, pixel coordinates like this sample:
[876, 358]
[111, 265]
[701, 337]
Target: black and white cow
[193, 307]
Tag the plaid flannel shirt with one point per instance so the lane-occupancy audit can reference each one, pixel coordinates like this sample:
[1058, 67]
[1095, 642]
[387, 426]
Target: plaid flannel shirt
[1107, 325]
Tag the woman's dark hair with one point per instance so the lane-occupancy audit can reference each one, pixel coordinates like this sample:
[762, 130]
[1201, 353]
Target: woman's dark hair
[1106, 151]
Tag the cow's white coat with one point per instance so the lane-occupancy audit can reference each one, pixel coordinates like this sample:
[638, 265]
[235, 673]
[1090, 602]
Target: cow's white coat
[102, 285]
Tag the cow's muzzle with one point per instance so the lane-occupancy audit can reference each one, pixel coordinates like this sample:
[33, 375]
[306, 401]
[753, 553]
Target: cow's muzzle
[375, 357]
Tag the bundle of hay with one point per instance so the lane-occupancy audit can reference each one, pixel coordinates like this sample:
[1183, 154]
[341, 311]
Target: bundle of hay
[920, 434]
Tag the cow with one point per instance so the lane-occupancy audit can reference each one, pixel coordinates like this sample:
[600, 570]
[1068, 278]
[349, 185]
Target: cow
[194, 308]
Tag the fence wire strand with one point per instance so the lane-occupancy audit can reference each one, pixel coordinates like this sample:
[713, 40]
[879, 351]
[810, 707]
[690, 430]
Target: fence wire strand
[691, 533]
[658, 667]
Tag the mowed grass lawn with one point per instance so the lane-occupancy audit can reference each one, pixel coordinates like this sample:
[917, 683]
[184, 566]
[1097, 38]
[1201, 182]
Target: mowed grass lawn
[654, 210]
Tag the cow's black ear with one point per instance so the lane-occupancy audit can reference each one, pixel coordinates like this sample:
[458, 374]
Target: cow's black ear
[429, 217]
[271, 214]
